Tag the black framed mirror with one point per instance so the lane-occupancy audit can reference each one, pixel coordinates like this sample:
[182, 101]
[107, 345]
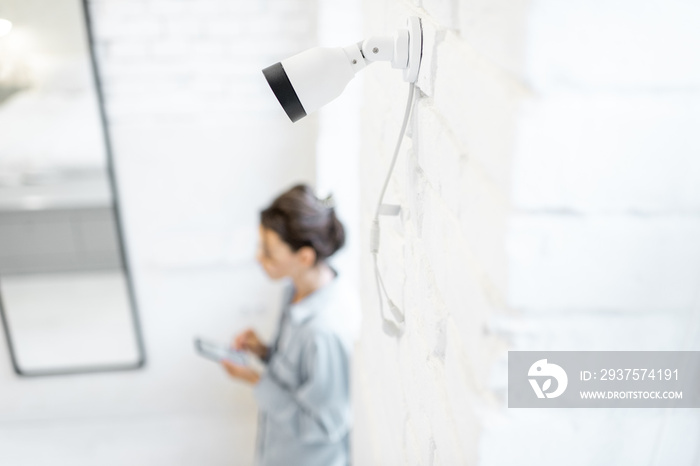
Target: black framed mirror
[66, 294]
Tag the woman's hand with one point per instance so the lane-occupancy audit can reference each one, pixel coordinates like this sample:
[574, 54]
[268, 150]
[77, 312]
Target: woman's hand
[248, 340]
[241, 372]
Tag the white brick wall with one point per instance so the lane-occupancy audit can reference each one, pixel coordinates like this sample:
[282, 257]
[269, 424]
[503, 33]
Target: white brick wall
[200, 145]
[550, 201]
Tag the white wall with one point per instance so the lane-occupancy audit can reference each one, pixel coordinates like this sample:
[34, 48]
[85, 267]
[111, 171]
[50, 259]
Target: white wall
[338, 144]
[200, 146]
[550, 202]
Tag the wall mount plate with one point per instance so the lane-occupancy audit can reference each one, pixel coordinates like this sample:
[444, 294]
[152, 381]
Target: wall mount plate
[415, 49]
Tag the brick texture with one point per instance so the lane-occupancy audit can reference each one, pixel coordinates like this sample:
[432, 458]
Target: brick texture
[549, 197]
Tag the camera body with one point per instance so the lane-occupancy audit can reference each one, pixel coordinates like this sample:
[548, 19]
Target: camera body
[309, 80]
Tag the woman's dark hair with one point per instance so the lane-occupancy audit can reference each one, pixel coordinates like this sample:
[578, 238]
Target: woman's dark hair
[301, 219]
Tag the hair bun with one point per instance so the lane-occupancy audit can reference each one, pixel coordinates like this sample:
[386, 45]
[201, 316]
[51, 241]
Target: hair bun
[301, 218]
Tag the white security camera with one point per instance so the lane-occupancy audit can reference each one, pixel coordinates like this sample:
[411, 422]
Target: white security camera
[309, 80]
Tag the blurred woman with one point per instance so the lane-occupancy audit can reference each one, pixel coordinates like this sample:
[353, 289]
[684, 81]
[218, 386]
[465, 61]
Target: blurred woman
[303, 396]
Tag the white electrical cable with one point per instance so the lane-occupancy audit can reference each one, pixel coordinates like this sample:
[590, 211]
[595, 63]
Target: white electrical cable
[390, 327]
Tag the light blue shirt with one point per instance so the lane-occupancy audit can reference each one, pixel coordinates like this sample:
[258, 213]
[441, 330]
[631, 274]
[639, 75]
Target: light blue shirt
[303, 396]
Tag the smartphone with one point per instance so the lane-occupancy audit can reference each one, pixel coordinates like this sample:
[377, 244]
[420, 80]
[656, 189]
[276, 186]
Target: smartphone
[217, 352]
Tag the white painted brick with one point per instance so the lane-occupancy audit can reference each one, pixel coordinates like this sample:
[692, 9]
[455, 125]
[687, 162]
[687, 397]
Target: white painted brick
[111, 28]
[461, 398]
[580, 439]
[542, 330]
[609, 153]
[284, 7]
[389, 391]
[155, 75]
[127, 50]
[483, 219]
[168, 8]
[191, 51]
[623, 263]
[551, 44]
[613, 43]
[496, 29]
[391, 266]
[454, 260]
[386, 122]
[426, 312]
[364, 415]
[444, 12]
[209, 8]
[479, 103]
[431, 223]
[185, 27]
[494, 257]
[419, 398]
[460, 279]
[118, 11]
[196, 10]
[680, 426]
[230, 27]
[178, 49]
[117, 69]
[438, 153]
[204, 85]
